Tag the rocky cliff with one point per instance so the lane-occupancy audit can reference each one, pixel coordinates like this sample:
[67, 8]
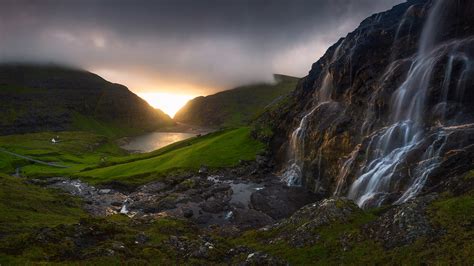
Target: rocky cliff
[234, 107]
[38, 98]
[387, 112]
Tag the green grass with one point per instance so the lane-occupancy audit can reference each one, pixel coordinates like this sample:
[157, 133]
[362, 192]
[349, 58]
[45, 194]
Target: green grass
[97, 159]
[235, 107]
[24, 207]
[45, 226]
[454, 216]
[39, 225]
[325, 251]
[222, 149]
[109, 129]
[76, 150]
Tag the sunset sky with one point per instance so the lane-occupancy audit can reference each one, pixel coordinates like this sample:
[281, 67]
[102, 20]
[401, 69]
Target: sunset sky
[176, 50]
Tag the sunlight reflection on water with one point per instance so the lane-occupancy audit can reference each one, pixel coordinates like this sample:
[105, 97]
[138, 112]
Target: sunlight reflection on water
[154, 141]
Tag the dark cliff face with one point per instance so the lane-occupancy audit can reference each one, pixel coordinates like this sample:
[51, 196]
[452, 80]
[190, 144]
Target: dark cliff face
[37, 98]
[385, 114]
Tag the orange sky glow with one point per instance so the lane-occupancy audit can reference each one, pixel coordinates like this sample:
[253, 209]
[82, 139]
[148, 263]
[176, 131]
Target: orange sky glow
[165, 95]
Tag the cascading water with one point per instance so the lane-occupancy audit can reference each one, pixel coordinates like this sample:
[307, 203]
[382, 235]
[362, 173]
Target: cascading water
[455, 56]
[395, 142]
[293, 172]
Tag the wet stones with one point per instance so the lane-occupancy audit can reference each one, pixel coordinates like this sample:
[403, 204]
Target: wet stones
[261, 258]
[188, 213]
[403, 224]
[249, 218]
[98, 202]
[305, 222]
[279, 201]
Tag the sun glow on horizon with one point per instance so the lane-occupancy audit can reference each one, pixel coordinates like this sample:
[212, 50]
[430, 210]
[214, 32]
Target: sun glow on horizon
[167, 102]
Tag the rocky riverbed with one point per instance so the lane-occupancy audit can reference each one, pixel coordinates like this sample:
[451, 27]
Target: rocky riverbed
[231, 197]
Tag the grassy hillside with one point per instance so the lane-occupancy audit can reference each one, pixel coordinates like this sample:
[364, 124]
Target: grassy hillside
[346, 243]
[234, 107]
[39, 225]
[221, 149]
[37, 98]
[24, 207]
[98, 159]
[75, 150]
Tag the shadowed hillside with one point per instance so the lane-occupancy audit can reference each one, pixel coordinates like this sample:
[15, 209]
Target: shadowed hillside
[37, 98]
[234, 107]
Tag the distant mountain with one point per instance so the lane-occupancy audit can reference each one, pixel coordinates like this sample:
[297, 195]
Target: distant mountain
[234, 107]
[54, 98]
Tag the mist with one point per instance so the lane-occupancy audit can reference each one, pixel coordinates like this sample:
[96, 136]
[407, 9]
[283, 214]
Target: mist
[184, 46]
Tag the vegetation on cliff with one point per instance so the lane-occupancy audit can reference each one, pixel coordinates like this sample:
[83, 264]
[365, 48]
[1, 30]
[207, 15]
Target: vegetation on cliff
[235, 107]
[38, 98]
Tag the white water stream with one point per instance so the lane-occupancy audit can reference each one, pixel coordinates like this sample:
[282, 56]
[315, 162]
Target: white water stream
[293, 172]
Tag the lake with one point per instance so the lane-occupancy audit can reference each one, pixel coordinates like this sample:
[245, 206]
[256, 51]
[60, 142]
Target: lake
[155, 140]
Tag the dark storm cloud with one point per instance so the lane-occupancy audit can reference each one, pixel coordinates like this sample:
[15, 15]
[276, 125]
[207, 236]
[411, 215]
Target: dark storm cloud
[211, 43]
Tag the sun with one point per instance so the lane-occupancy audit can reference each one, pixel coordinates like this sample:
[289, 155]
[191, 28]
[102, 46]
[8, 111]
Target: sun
[167, 102]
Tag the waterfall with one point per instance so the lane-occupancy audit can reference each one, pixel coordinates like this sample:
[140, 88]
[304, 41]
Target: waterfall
[406, 132]
[401, 24]
[293, 171]
[346, 167]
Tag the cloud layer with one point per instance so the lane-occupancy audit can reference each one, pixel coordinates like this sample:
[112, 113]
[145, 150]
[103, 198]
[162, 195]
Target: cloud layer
[190, 46]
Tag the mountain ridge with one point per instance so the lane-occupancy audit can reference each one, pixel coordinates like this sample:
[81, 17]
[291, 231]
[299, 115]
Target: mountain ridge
[40, 97]
[236, 106]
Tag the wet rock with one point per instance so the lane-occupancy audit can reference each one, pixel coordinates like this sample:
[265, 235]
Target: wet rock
[203, 218]
[118, 245]
[154, 187]
[222, 187]
[155, 207]
[325, 212]
[45, 182]
[203, 170]
[403, 224]
[248, 218]
[141, 239]
[104, 191]
[279, 201]
[261, 258]
[117, 203]
[239, 250]
[213, 206]
[261, 160]
[188, 213]
[201, 252]
[74, 187]
[313, 216]
[99, 202]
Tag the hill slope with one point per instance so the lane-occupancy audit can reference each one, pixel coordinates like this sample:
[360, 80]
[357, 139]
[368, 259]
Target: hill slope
[51, 98]
[234, 107]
